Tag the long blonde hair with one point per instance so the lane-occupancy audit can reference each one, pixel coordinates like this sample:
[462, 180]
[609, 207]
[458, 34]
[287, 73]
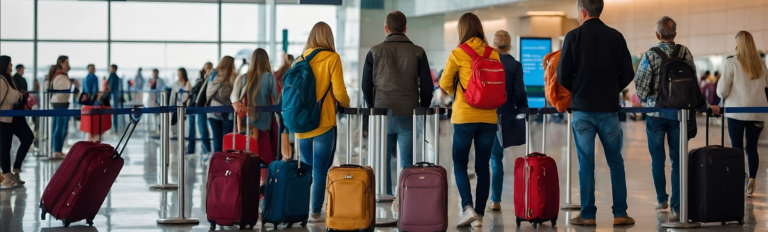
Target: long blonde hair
[746, 53]
[321, 36]
[259, 66]
[225, 69]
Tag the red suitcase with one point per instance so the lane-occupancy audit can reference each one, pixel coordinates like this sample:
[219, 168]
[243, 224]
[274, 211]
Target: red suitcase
[232, 191]
[237, 141]
[82, 182]
[95, 124]
[423, 190]
[537, 188]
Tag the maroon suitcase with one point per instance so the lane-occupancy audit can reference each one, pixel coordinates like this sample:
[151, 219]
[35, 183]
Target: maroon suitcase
[423, 189]
[82, 182]
[232, 190]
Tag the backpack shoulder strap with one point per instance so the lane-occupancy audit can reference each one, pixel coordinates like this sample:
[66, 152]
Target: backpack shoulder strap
[661, 53]
[678, 49]
[487, 53]
[312, 55]
[469, 50]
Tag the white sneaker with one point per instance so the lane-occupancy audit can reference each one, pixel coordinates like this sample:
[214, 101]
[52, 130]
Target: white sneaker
[467, 217]
[316, 218]
[478, 221]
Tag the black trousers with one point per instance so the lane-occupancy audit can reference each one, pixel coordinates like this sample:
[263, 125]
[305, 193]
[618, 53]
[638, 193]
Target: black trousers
[19, 128]
[739, 130]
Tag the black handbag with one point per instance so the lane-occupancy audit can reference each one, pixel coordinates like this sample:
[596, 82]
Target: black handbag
[202, 99]
[511, 129]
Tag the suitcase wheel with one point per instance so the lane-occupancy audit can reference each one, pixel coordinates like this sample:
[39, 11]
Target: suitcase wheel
[554, 222]
[741, 222]
[242, 226]
[89, 221]
[288, 226]
[66, 223]
[518, 221]
[304, 223]
[253, 225]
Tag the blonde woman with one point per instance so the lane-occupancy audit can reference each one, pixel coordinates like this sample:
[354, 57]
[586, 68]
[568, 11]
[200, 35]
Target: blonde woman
[218, 94]
[742, 85]
[257, 87]
[318, 146]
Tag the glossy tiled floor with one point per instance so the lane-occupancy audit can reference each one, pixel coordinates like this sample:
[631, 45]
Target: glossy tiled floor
[131, 206]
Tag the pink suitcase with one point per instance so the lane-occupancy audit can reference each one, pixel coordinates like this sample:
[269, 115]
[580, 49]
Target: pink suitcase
[82, 182]
[423, 190]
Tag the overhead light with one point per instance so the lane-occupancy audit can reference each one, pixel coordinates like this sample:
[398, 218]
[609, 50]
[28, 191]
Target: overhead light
[545, 13]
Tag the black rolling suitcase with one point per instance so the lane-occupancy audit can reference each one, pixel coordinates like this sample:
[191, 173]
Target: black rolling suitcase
[716, 182]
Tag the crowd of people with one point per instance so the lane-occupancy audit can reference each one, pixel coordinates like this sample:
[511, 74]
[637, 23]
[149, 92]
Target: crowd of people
[594, 65]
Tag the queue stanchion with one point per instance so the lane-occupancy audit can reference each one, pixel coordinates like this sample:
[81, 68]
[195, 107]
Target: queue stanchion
[182, 218]
[683, 223]
[568, 163]
[163, 157]
[377, 139]
[41, 151]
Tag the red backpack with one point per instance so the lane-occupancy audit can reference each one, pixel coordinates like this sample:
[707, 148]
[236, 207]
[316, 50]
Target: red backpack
[486, 88]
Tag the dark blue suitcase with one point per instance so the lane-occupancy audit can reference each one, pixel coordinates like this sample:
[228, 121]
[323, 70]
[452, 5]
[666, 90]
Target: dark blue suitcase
[286, 195]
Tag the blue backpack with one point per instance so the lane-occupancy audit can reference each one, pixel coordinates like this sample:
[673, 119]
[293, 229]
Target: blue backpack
[301, 109]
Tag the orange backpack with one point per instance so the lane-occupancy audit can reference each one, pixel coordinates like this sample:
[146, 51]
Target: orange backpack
[555, 93]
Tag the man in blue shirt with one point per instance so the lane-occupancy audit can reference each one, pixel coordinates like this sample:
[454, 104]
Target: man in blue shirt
[91, 84]
[114, 89]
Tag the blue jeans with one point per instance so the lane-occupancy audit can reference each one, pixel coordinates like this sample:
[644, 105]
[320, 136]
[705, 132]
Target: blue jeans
[482, 134]
[400, 129]
[497, 170]
[318, 152]
[59, 132]
[219, 128]
[205, 137]
[657, 128]
[587, 125]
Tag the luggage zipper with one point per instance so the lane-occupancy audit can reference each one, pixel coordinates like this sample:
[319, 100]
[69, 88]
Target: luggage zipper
[527, 168]
[492, 70]
[492, 82]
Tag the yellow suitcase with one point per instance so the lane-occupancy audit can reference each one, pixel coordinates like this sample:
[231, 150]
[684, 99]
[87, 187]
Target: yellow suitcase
[351, 198]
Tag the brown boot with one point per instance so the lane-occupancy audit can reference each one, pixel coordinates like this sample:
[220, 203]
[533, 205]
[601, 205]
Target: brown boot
[620, 221]
[580, 221]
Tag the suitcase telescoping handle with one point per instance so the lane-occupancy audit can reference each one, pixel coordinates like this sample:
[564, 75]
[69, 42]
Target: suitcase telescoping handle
[544, 112]
[435, 140]
[280, 129]
[236, 129]
[722, 125]
[349, 112]
[134, 118]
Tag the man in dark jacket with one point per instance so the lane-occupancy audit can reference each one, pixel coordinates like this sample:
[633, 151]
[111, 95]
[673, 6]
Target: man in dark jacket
[115, 92]
[595, 65]
[18, 78]
[396, 76]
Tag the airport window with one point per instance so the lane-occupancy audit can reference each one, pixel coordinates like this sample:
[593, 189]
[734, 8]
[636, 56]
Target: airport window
[155, 21]
[240, 22]
[72, 20]
[17, 19]
[80, 55]
[166, 57]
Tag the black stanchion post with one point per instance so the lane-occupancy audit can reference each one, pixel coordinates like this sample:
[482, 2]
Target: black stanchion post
[683, 223]
[182, 218]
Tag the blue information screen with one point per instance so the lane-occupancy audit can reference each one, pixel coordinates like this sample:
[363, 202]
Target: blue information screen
[532, 52]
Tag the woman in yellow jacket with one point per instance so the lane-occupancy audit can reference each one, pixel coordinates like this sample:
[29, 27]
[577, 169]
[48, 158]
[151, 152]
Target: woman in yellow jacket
[318, 146]
[469, 123]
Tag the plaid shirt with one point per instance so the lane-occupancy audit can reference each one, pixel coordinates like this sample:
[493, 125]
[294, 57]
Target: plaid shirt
[648, 72]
